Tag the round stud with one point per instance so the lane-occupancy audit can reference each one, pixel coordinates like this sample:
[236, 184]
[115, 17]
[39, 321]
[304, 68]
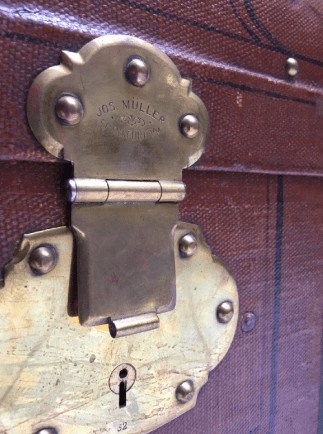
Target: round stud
[292, 67]
[248, 322]
[185, 391]
[43, 259]
[187, 245]
[48, 430]
[225, 312]
[69, 110]
[189, 126]
[137, 72]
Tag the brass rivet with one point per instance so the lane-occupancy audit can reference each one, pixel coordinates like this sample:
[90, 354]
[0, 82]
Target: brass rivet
[48, 430]
[292, 67]
[189, 126]
[69, 109]
[225, 312]
[185, 391]
[137, 72]
[187, 245]
[43, 259]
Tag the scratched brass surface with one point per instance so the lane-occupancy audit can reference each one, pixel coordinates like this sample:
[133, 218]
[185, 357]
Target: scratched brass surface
[54, 372]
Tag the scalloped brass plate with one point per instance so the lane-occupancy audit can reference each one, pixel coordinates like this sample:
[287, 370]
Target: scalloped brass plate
[56, 373]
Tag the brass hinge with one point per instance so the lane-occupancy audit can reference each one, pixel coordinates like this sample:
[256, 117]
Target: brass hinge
[121, 112]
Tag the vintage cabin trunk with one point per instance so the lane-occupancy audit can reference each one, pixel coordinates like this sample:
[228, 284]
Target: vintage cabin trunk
[257, 192]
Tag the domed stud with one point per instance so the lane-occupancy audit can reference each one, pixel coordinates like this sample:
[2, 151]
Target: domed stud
[292, 67]
[185, 391]
[43, 259]
[225, 312]
[69, 110]
[137, 72]
[189, 126]
[187, 245]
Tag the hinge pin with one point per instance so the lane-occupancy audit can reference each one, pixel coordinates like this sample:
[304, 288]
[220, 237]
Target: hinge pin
[82, 190]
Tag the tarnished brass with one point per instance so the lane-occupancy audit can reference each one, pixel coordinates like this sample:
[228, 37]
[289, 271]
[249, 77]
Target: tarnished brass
[120, 111]
[125, 130]
[56, 373]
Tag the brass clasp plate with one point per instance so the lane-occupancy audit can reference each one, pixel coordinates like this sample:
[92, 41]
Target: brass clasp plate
[69, 379]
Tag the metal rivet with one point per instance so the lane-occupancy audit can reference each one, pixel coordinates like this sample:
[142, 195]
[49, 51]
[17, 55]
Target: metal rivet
[189, 125]
[185, 391]
[248, 322]
[137, 72]
[69, 109]
[225, 312]
[187, 245]
[43, 259]
[292, 67]
[49, 430]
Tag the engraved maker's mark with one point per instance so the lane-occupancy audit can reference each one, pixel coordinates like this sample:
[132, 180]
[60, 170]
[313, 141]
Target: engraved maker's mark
[106, 108]
[132, 119]
[136, 134]
[141, 106]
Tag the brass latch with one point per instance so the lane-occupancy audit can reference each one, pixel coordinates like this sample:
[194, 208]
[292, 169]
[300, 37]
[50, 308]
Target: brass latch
[120, 111]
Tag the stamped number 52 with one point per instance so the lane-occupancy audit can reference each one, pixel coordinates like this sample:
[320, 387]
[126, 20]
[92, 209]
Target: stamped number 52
[122, 426]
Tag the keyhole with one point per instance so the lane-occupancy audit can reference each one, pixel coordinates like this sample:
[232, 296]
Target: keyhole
[121, 381]
[123, 388]
[123, 373]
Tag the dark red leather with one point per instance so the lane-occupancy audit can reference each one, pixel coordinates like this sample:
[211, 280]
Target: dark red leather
[256, 193]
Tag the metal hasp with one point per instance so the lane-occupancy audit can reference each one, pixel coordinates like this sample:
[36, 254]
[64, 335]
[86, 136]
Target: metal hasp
[59, 377]
[121, 113]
